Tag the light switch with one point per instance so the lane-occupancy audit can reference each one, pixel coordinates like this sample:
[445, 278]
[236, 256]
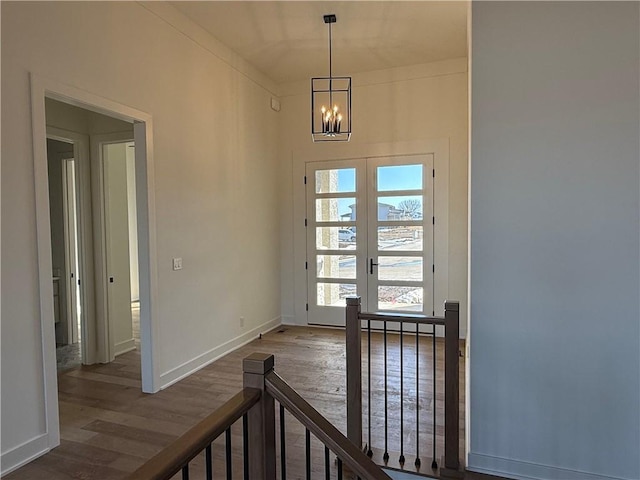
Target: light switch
[177, 263]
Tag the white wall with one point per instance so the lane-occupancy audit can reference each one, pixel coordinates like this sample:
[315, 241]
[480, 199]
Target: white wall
[555, 321]
[216, 182]
[401, 107]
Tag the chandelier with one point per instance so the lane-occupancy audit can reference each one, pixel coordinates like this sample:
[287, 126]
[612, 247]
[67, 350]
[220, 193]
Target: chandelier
[332, 121]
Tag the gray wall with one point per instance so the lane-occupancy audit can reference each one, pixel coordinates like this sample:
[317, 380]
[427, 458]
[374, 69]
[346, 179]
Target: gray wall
[555, 240]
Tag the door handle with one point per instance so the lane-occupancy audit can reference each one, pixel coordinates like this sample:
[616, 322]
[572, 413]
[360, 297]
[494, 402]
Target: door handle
[110, 279]
[371, 265]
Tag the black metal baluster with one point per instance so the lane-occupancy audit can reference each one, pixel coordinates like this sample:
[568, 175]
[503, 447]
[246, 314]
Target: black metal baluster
[434, 462]
[228, 451]
[283, 454]
[339, 469]
[209, 462]
[185, 472]
[369, 451]
[308, 452]
[327, 466]
[245, 446]
[417, 462]
[401, 459]
[385, 457]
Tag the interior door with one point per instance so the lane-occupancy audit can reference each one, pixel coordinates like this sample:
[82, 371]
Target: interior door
[369, 233]
[117, 248]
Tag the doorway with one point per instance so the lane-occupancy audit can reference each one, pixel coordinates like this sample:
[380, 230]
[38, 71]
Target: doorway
[43, 90]
[61, 155]
[370, 232]
[99, 268]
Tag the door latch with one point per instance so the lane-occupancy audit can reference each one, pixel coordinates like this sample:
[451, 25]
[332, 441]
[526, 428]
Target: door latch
[371, 265]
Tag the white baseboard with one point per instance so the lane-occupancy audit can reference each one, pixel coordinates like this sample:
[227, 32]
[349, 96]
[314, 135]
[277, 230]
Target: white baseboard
[124, 347]
[520, 470]
[288, 320]
[23, 454]
[176, 374]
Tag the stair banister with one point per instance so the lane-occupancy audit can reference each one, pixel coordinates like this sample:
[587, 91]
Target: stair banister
[255, 406]
[451, 322]
[354, 372]
[262, 420]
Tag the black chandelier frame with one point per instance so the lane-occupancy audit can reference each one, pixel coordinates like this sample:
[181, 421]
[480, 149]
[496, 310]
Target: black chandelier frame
[336, 89]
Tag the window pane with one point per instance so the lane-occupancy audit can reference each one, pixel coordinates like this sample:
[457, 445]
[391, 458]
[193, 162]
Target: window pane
[336, 266]
[336, 238]
[399, 177]
[400, 268]
[400, 238]
[334, 294]
[400, 298]
[335, 209]
[341, 180]
[400, 208]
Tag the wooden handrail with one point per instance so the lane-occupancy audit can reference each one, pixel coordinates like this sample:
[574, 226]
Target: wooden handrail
[329, 435]
[262, 386]
[172, 458]
[404, 318]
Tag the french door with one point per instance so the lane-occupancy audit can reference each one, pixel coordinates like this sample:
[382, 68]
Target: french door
[370, 232]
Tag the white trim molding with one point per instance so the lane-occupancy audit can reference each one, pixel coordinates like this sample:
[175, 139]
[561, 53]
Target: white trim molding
[521, 470]
[24, 453]
[182, 371]
[124, 347]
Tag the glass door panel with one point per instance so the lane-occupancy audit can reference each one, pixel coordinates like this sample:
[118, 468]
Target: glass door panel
[400, 245]
[336, 257]
[369, 233]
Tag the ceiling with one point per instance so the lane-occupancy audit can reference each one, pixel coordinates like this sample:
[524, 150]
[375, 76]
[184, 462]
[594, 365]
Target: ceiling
[288, 40]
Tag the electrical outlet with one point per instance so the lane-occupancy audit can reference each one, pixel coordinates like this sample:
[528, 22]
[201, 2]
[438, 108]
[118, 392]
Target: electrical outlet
[241, 322]
[177, 263]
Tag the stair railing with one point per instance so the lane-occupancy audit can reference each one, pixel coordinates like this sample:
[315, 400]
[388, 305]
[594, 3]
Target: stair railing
[255, 405]
[406, 325]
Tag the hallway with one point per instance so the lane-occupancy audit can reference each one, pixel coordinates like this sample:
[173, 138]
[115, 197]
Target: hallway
[109, 427]
[69, 356]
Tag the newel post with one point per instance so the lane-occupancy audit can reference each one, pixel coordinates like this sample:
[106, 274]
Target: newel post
[451, 389]
[261, 418]
[354, 372]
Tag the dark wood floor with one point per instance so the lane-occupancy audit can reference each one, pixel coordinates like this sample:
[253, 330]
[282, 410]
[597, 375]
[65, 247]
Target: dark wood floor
[109, 427]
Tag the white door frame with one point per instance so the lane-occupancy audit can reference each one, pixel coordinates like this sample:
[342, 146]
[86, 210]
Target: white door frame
[367, 223]
[71, 242]
[42, 87]
[439, 147]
